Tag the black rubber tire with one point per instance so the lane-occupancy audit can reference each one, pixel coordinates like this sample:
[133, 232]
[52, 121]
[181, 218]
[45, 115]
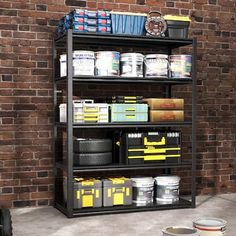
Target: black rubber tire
[92, 146]
[5, 222]
[92, 159]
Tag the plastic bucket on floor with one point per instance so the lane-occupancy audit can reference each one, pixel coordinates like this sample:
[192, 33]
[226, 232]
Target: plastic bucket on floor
[208, 226]
[156, 65]
[132, 64]
[143, 190]
[180, 231]
[107, 63]
[180, 66]
[167, 189]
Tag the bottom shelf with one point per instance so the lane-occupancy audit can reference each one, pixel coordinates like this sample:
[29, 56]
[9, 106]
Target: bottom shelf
[182, 203]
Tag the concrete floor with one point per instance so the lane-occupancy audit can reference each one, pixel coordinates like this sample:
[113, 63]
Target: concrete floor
[47, 221]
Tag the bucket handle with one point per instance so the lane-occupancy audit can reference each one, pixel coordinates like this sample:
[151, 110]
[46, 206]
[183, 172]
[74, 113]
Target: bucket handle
[151, 13]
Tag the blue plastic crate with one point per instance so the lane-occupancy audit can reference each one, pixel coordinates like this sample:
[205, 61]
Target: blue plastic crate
[128, 23]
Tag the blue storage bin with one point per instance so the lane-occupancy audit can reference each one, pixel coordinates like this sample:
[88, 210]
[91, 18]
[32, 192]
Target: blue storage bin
[128, 23]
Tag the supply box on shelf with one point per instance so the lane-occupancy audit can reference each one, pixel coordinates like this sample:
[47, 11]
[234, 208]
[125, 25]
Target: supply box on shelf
[146, 147]
[117, 191]
[165, 103]
[177, 26]
[128, 23]
[166, 115]
[85, 111]
[126, 99]
[129, 112]
[87, 192]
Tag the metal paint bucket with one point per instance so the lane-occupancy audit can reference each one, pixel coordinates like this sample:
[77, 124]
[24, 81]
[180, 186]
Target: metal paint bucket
[132, 64]
[180, 66]
[167, 189]
[180, 231]
[83, 62]
[156, 65]
[143, 190]
[107, 63]
[208, 226]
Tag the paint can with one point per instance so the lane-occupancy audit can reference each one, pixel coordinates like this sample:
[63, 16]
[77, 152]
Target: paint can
[179, 231]
[167, 189]
[180, 66]
[63, 66]
[132, 64]
[107, 63]
[143, 190]
[208, 226]
[83, 62]
[156, 65]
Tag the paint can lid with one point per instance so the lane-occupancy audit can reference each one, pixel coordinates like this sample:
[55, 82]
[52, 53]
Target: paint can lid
[156, 56]
[140, 179]
[165, 180]
[210, 222]
[180, 230]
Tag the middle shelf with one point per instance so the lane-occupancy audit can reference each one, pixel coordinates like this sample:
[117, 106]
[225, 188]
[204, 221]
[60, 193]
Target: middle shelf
[126, 125]
[63, 165]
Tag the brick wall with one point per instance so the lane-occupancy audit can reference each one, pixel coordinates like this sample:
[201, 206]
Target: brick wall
[26, 32]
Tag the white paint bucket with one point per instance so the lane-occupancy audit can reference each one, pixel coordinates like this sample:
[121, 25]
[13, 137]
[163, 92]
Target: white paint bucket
[208, 226]
[132, 64]
[107, 63]
[143, 190]
[180, 231]
[83, 62]
[156, 65]
[63, 66]
[167, 189]
[180, 66]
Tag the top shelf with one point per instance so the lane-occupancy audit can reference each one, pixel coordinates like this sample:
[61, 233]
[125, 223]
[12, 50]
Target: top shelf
[121, 40]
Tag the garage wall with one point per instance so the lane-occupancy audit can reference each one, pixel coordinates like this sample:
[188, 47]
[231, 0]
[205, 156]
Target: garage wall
[26, 30]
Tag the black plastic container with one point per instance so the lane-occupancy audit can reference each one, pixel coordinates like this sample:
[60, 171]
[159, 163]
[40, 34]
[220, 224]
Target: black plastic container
[177, 26]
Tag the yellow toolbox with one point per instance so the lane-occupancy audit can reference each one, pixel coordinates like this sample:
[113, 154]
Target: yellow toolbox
[87, 192]
[117, 191]
[138, 148]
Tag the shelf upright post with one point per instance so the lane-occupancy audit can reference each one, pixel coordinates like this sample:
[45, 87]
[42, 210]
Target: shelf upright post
[194, 102]
[70, 190]
[54, 120]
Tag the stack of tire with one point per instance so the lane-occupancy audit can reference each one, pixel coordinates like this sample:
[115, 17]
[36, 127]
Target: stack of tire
[91, 152]
[5, 223]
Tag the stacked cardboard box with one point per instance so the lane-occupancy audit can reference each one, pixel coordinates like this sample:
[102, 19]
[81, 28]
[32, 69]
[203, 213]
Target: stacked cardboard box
[165, 109]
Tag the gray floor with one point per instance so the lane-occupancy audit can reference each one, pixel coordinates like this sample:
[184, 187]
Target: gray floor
[47, 221]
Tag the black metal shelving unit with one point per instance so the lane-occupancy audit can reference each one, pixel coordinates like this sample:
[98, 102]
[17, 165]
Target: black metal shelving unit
[72, 41]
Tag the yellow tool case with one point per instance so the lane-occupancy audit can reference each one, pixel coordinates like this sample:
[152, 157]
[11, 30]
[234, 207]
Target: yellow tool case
[147, 147]
[86, 111]
[117, 191]
[87, 192]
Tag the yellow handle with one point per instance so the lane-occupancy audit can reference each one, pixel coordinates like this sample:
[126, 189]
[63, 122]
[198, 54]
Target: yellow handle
[90, 109]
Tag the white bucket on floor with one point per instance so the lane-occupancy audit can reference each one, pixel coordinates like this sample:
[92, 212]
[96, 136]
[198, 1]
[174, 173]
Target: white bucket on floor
[208, 226]
[180, 231]
[167, 189]
[132, 64]
[143, 190]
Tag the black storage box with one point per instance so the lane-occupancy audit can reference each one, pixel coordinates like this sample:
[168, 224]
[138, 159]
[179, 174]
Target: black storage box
[177, 26]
